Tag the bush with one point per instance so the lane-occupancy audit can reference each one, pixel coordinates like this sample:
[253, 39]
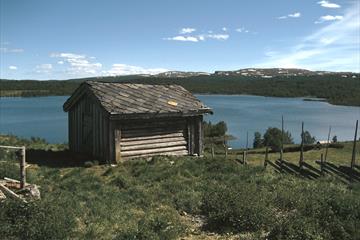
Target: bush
[34, 221]
[238, 208]
[161, 223]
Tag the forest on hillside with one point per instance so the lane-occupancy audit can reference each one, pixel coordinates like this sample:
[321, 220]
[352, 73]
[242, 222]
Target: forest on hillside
[334, 88]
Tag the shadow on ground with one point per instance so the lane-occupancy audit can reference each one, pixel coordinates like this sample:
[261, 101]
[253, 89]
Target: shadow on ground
[56, 159]
[343, 173]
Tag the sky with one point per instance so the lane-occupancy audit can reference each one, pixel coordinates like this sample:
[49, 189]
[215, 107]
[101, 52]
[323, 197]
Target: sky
[65, 39]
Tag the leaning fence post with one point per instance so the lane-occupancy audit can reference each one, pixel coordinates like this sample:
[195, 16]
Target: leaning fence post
[23, 168]
[322, 164]
[327, 145]
[244, 157]
[301, 161]
[282, 139]
[212, 150]
[354, 146]
[266, 156]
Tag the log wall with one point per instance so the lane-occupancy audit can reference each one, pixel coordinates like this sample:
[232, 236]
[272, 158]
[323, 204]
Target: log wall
[88, 129]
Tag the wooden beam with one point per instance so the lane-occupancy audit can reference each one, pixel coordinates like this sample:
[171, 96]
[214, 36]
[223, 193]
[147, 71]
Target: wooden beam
[301, 161]
[354, 146]
[327, 145]
[117, 145]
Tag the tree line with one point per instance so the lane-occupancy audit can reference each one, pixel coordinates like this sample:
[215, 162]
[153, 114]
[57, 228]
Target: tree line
[333, 88]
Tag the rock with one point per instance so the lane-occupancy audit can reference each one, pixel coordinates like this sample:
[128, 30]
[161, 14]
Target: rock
[31, 191]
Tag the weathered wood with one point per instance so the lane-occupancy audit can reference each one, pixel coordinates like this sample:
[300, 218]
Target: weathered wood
[153, 146]
[10, 193]
[148, 151]
[301, 161]
[282, 139]
[327, 145]
[266, 156]
[152, 140]
[111, 136]
[322, 163]
[353, 156]
[200, 135]
[149, 133]
[173, 153]
[118, 147]
[125, 140]
[23, 168]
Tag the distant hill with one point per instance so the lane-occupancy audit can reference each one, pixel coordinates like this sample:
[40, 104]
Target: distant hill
[336, 88]
[276, 72]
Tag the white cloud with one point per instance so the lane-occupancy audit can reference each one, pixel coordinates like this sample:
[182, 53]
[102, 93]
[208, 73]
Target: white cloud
[13, 67]
[327, 4]
[224, 29]
[124, 69]
[242, 30]
[183, 39]
[11, 50]
[198, 38]
[60, 62]
[217, 36]
[327, 18]
[334, 47]
[79, 64]
[43, 68]
[187, 30]
[291, 15]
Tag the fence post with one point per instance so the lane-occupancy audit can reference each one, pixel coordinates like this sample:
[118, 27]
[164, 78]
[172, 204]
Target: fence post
[301, 161]
[322, 164]
[282, 139]
[266, 156]
[354, 147]
[212, 150]
[23, 168]
[327, 145]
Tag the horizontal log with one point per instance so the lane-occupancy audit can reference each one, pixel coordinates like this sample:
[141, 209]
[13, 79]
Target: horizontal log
[149, 151]
[174, 153]
[154, 129]
[153, 146]
[150, 133]
[151, 141]
[144, 125]
[141, 138]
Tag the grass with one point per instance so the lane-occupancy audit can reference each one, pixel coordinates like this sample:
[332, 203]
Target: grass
[181, 198]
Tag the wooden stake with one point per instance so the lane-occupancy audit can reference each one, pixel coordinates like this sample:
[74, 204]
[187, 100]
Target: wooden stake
[327, 145]
[282, 139]
[247, 140]
[225, 148]
[354, 146]
[301, 161]
[22, 168]
[322, 164]
[244, 157]
[212, 150]
[266, 156]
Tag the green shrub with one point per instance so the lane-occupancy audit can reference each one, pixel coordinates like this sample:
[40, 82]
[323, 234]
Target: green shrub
[238, 208]
[36, 220]
[160, 223]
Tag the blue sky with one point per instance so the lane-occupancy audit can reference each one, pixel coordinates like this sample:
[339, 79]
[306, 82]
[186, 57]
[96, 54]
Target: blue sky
[69, 39]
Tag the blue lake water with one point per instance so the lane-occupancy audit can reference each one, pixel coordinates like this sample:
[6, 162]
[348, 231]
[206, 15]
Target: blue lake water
[43, 117]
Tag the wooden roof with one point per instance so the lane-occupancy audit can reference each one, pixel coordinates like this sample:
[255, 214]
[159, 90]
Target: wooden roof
[127, 99]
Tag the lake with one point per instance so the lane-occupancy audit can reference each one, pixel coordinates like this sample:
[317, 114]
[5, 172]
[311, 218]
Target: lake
[43, 117]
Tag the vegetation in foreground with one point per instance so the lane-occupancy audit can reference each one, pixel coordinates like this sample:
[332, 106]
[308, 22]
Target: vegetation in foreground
[171, 198]
[334, 88]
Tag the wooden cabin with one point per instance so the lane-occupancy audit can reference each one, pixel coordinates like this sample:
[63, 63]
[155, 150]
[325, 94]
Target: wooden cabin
[119, 121]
